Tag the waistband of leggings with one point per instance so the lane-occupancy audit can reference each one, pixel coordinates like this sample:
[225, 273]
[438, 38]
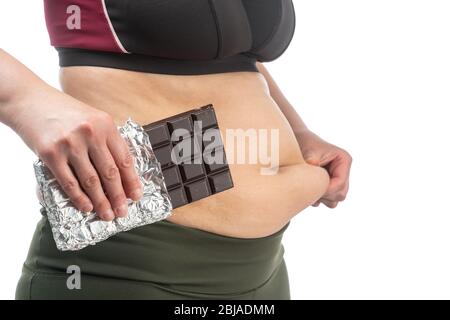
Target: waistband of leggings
[168, 254]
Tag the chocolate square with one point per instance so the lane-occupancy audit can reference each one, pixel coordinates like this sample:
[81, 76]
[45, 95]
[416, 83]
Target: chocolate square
[178, 197]
[207, 117]
[163, 154]
[220, 181]
[159, 135]
[198, 190]
[172, 177]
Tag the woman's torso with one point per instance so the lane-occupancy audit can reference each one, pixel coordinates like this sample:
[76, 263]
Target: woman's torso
[259, 204]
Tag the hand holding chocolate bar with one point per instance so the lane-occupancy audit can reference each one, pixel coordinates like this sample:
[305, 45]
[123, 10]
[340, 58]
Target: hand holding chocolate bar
[179, 160]
[73, 229]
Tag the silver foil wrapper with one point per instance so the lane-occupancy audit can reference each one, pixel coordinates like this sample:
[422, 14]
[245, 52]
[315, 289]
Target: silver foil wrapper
[73, 229]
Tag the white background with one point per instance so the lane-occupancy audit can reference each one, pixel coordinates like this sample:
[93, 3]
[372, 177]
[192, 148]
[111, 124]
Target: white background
[370, 76]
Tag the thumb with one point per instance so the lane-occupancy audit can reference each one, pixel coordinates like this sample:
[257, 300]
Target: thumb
[312, 157]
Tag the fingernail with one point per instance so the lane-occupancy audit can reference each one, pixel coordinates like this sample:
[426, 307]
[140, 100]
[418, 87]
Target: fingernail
[109, 215]
[136, 194]
[86, 208]
[122, 211]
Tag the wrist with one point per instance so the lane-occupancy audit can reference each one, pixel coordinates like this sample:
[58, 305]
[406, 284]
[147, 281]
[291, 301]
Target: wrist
[8, 111]
[16, 108]
[301, 132]
[306, 137]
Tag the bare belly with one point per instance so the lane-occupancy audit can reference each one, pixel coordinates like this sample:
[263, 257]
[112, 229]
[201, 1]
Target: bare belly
[260, 203]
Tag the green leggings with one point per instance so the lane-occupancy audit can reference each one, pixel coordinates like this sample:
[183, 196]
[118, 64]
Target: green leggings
[158, 261]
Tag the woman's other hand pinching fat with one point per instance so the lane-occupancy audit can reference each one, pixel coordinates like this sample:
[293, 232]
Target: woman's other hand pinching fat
[83, 149]
[335, 160]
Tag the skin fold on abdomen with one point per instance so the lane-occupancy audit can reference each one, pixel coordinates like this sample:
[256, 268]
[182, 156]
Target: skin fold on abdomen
[267, 192]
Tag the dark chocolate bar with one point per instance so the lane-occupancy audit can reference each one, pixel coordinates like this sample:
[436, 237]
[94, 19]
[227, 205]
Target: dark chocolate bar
[192, 157]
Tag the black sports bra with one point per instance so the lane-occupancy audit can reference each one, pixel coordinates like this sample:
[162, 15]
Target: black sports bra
[170, 36]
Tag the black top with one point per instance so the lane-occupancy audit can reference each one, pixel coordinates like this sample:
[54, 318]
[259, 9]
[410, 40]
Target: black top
[170, 36]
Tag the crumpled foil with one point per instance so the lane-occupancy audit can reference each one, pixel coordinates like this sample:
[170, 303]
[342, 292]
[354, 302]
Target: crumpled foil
[74, 230]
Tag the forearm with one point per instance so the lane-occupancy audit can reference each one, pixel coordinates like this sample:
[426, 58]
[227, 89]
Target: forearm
[296, 122]
[17, 85]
